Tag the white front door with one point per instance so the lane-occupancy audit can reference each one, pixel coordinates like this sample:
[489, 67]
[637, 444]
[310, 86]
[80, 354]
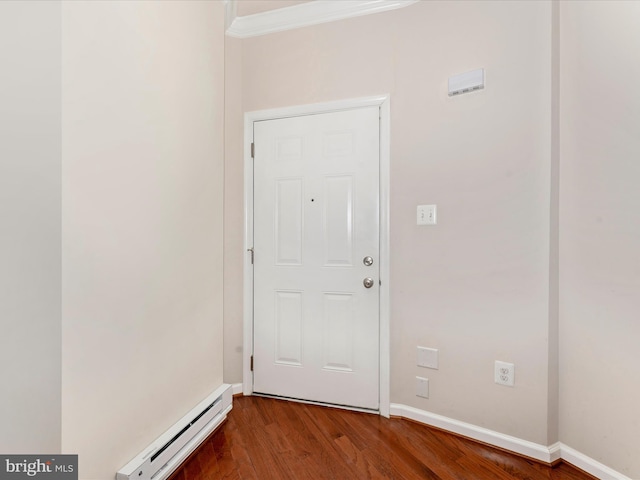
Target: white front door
[316, 292]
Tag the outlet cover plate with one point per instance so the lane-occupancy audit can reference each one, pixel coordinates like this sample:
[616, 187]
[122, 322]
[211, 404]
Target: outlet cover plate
[427, 357]
[422, 387]
[505, 373]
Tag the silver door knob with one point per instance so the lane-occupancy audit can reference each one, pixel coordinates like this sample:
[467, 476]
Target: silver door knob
[368, 282]
[368, 261]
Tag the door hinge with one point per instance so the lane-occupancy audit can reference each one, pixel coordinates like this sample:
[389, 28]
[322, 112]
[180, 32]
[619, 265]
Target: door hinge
[250, 250]
[253, 150]
[252, 363]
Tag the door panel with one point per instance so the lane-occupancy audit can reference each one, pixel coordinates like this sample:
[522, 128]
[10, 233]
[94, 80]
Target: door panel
[338, 333]
[316, 189]
[338, 221]
[288, 221]
[288, 333]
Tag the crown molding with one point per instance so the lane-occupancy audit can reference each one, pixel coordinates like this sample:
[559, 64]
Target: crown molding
[307, 14]
[230, 13]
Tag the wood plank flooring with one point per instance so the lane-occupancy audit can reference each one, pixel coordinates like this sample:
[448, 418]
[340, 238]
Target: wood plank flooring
[265, 439]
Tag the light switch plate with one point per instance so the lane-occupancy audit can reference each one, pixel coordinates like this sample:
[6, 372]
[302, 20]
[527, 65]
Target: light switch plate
[426, 215]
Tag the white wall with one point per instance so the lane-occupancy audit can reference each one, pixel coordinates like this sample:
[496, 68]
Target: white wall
[600, 232]
[142, 183]
[477, 285]
[30, 282]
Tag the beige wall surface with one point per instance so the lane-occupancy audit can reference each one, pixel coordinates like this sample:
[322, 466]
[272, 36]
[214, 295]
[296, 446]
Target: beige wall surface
[142, 169]
[476, 286]
[553, 392]
[600, 232]
[233, 215]
[30, 164]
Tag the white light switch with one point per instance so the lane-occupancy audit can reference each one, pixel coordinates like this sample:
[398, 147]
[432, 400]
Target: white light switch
[426, 215]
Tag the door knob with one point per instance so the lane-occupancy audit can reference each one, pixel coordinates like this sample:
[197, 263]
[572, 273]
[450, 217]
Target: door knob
[368, 282]
[368, 261]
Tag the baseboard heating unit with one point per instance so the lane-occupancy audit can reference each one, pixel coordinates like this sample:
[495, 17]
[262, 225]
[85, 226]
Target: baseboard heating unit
[162, 457]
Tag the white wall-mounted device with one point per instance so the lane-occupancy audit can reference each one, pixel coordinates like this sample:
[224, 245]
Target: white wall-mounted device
[160, 459]
[466, 82]
[426, 215]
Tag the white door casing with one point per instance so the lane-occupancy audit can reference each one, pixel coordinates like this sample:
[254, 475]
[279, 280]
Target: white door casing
[319, 333]
[316, 324]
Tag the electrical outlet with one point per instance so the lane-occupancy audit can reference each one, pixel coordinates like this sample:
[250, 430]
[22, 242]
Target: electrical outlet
[505, 373]
[422, 387]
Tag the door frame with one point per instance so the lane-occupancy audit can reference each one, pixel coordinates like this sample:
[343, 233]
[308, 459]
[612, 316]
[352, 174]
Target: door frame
[383, 102]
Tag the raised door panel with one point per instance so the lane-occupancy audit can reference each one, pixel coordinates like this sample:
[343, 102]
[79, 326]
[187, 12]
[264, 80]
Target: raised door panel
[288, 327]
[288, 221]
[338, 221]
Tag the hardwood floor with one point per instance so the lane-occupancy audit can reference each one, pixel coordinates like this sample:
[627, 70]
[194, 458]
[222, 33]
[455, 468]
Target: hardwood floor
[274, 439]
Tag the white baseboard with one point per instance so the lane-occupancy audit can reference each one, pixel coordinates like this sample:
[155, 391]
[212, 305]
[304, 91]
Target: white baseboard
[555, 452]
[533, 450]
[513, 444]
[589, 465]
[236, 388]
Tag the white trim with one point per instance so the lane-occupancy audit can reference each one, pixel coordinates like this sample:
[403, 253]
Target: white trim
[496, 439]
[550, 454]
[230, 12]
[385, 255]
[247, 326]
[236, 388]
[589, 465]
[383, 102]
[300, 110]
[307, 14]
[555, 452]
